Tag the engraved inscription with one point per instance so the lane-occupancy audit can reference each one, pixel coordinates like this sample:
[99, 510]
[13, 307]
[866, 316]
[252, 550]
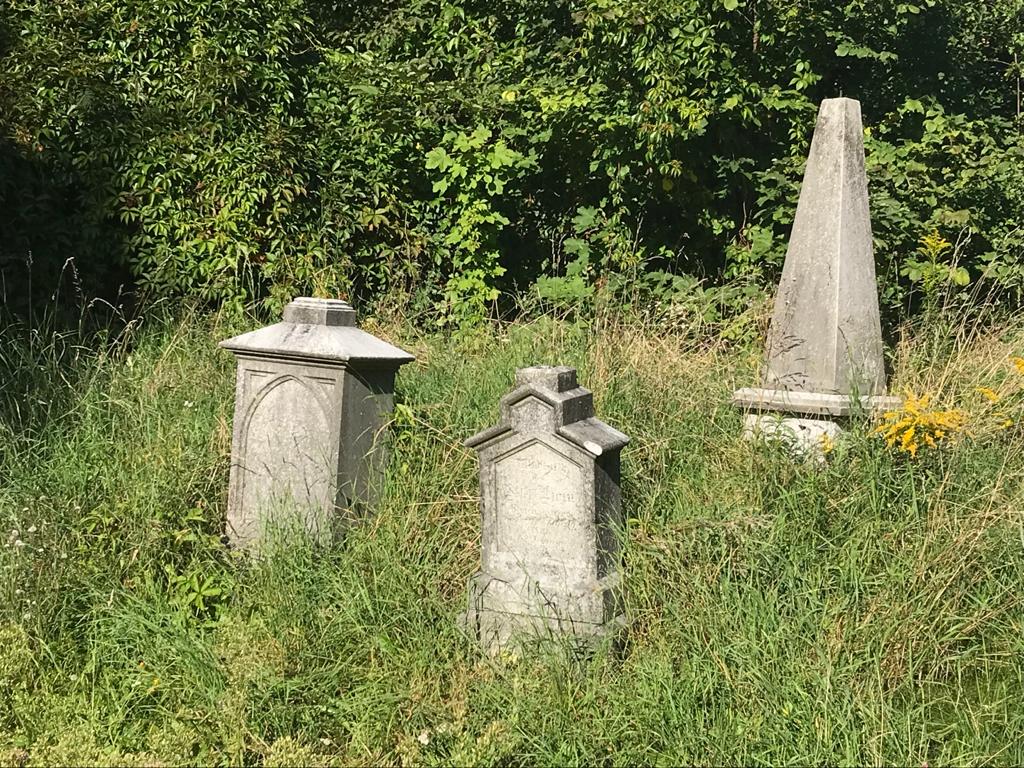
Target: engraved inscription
[542, 516]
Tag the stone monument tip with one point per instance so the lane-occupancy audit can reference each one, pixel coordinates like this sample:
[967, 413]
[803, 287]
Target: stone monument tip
[839, 101]
[558, 378]
[306, 310]
[319, 330]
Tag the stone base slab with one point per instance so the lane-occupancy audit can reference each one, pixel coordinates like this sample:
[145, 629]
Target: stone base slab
[504, 614]
[811, 403]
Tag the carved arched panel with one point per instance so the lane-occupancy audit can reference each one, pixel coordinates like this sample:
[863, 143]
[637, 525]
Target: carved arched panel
[287, 456]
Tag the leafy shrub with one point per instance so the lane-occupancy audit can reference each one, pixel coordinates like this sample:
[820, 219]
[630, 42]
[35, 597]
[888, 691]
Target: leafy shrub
[448, 150]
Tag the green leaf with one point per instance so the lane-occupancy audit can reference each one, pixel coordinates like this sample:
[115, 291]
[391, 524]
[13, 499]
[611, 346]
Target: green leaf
[585, 218]
[577, 247]
[501, 155]
[438, 158]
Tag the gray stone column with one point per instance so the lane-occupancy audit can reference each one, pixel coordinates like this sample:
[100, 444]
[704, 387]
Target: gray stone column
[551, 515]
[824, 356]
[312, 396]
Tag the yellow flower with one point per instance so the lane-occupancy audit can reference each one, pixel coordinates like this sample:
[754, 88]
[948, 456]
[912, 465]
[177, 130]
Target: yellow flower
[989, 393]
[827, 443]
[916, 425]
[933, 244]
[1018, 363]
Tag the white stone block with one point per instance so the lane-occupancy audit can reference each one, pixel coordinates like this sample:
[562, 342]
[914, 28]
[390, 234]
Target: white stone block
[551, 515]
[809, 438]
[312, 395]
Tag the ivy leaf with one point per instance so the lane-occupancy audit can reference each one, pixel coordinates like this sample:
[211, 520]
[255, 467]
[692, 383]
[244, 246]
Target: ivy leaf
[438, 158]
[584, 218]
[577, 247]
[479, 137]
[849, 48]
[501, 155]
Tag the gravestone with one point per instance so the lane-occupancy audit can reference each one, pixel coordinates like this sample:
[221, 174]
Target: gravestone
[312, 395]
[824, 357]
[551, 515]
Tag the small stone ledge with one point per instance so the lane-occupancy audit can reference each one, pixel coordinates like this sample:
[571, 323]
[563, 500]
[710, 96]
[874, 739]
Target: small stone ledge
[309, 311]
[813, 403]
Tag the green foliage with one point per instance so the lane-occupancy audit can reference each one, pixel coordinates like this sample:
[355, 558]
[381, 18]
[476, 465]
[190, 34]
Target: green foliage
[472, 173]
[444, 150]
[171, 126]
[931, 270]
[962, 179]
[863, 611]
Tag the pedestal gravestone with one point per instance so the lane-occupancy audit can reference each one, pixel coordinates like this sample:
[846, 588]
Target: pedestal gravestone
[551, 515]
[824, 356]
[312, 395]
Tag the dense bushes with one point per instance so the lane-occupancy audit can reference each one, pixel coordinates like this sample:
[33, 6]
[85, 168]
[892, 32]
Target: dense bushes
[445, 150]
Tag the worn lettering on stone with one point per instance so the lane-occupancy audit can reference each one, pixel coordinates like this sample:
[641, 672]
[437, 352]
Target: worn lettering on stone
[550, 514]
[539, 501]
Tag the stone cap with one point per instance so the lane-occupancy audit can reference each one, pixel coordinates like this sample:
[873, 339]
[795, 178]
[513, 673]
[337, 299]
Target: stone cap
[572, 411]
[594, 436]
[812, 403]
[319, 312]
[319, 330]
[557, 378]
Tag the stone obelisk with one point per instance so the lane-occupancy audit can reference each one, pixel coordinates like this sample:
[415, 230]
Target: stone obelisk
[824, 357]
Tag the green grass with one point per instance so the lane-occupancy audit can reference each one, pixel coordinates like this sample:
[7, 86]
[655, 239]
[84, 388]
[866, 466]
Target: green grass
[866, 611]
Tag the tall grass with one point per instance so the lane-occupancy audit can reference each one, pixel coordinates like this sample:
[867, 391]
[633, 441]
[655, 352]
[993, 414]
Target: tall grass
[864, 611]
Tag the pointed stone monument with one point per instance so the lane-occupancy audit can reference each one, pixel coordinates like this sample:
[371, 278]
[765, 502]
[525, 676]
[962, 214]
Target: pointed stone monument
[824, 356]
[312, 396]
[551, 516]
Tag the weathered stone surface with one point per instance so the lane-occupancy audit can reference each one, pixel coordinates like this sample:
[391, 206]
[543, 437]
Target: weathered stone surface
[826, 335]
[809, 438]
[812, 403]
[824, 356]
[551, 515]
[312, 394]
[306, 311]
